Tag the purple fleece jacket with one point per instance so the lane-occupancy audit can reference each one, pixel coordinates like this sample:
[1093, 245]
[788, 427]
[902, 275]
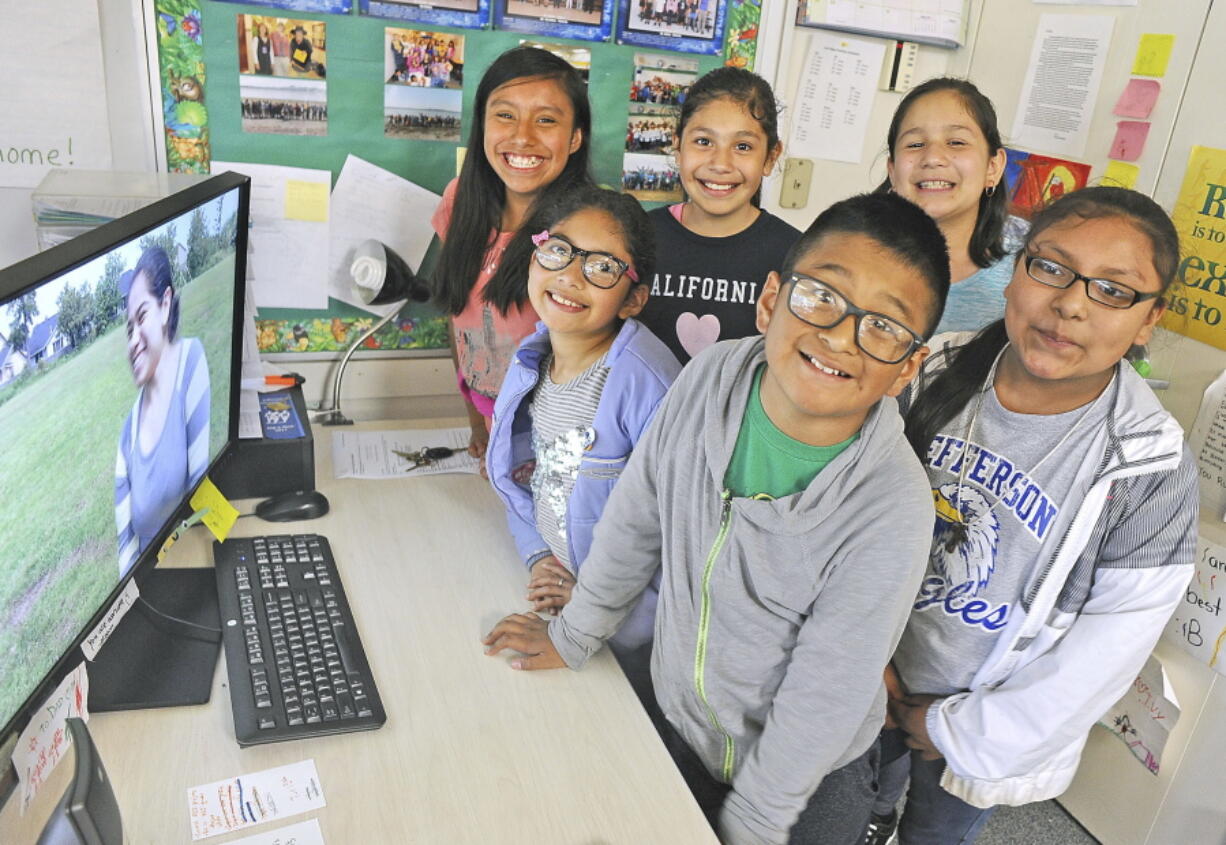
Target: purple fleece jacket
[641, 368]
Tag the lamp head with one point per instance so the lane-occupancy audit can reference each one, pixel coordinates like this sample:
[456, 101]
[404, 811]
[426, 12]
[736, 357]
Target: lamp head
[381, 277]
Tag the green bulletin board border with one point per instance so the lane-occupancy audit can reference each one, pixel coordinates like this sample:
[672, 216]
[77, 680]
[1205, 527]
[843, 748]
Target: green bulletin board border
[355, 126]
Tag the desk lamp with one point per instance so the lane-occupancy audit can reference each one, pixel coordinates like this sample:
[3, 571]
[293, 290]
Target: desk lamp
[380, 277]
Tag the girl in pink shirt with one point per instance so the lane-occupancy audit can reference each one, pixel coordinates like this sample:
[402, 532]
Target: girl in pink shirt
[529, 141]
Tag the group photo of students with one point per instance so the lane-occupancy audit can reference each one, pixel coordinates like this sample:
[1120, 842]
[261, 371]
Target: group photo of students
[876, 516]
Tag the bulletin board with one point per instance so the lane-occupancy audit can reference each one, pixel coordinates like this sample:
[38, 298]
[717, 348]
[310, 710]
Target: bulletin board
[355, 67]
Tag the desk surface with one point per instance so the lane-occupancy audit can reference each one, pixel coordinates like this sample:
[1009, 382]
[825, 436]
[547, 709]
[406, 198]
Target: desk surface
[472, 751]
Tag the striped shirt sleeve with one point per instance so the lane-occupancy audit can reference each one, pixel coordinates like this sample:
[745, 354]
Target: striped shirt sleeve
[196, 408]
[128, 544]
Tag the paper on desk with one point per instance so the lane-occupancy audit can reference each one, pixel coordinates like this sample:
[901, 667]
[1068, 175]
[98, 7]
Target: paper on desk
[302, 833]
[246, 800]
[288, 255]
[835, 98]
[1207, 441]
[369, 454]
[1061, 84]
[370, 202]
[42, 744]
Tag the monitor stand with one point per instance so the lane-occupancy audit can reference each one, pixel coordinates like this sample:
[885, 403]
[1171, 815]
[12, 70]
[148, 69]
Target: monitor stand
[164, 650]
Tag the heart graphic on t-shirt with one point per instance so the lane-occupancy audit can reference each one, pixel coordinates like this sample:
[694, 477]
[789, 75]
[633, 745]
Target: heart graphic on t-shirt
[697, 333]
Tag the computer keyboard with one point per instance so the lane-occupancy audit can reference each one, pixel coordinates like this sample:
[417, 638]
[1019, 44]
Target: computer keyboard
[296, 666]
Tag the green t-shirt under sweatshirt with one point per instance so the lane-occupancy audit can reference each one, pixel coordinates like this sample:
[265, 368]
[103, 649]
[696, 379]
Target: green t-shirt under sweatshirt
[766, 463]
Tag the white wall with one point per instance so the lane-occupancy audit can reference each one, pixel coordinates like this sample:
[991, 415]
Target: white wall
[128, 120]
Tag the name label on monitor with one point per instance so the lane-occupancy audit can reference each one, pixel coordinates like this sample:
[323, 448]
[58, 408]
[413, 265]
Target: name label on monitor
[97, 638]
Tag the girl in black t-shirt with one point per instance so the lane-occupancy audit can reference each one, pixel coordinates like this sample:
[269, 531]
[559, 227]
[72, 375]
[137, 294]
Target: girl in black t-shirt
[716, 248]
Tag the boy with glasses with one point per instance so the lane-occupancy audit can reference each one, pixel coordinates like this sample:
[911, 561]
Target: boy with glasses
[792, 522]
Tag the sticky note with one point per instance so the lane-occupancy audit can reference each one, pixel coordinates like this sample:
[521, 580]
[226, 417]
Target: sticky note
[459, 158]
[1153, 53]
[1129, 140]
[306, 200]
[220, 515]
[1120, 175]
[1138, 98]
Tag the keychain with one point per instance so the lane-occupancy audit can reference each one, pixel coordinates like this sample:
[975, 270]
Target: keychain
[425, 457]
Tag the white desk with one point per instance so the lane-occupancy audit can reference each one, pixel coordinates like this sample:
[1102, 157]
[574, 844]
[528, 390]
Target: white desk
[472, 751]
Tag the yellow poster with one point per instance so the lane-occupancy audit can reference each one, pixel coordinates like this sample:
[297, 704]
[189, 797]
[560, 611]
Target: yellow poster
[1198, 297]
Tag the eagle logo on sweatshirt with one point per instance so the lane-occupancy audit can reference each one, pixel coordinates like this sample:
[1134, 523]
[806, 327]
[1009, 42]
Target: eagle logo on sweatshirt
[965, 537]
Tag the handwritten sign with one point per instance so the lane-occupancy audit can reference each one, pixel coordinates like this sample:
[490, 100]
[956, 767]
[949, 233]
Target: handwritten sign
[248, 800]
[1198, 625]
[1144, 717]
[55, 114]
[45, 740]
[1207, 440]
[219, 515]
[97, 638]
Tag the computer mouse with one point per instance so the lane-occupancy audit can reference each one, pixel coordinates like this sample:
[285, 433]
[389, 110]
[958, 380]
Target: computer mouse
[293, 506]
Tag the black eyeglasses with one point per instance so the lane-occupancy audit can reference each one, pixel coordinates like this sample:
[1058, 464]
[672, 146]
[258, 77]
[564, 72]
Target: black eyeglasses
[879, 336]
[554, 252]
[1103, 291]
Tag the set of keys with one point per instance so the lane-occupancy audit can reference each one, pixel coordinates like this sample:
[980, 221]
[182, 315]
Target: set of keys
[424, 457]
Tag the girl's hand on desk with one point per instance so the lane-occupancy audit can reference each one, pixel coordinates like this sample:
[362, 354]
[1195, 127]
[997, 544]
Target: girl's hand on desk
[526, 633]
[550, 585]
[479, 440]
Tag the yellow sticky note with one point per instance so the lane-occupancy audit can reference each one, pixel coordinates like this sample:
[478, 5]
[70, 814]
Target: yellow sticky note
[220, 513]
[306, 201]
[1121, 174]
[1153, 53]
[459, 158]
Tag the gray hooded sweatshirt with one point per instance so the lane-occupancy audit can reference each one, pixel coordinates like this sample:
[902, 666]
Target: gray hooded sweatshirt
[776, 618]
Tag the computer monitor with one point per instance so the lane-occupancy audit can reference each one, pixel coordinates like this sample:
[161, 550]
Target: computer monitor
[120, 354]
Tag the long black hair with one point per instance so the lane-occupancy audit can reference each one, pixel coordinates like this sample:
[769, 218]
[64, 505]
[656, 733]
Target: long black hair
[740, 86]
[480, 194]
[969, 366]
[987, 239]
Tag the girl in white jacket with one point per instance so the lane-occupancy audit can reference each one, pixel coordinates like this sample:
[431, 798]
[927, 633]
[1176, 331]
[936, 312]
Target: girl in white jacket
[1066, 509]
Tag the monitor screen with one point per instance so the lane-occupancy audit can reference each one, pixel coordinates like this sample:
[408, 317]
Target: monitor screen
[118, 352]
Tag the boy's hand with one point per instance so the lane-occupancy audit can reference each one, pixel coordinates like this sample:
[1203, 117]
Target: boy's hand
[526, 633]
[911, 714]
[894, 691]
[550, 585]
